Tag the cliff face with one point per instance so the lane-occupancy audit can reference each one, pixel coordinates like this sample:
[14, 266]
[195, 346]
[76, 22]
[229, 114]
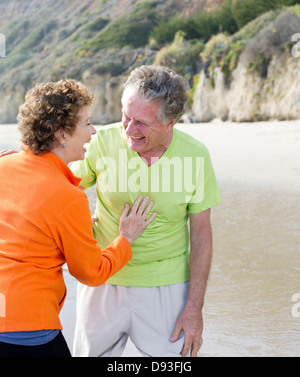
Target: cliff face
[253, 76]
[265, 83]
[50, 40]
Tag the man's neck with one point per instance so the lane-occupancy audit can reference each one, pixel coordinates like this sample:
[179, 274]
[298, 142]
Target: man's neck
[152, 156]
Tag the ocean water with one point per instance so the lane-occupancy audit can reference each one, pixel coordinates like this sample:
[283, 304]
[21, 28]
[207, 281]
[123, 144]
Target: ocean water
[255, 275]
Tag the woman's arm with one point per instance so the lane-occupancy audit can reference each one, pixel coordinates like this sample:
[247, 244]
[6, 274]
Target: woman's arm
[86, 261]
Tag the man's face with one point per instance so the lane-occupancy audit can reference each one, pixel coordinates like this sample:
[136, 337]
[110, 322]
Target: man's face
[146, 135]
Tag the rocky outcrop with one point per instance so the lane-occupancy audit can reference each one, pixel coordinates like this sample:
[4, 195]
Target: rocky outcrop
[265, 84]
[106, 108]
[10, 103]
[102, 79]
[249, 98]
[108, 90]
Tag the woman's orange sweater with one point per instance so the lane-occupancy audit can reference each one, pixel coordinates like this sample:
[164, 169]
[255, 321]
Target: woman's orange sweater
[45, 221]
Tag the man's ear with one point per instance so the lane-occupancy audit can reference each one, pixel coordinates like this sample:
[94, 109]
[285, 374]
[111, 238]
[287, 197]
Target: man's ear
[170, 125]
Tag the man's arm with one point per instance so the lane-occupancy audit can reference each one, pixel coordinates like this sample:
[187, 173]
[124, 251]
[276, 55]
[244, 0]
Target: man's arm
[190, 320]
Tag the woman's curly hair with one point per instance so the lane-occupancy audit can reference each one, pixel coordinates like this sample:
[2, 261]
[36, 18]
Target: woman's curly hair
[48, 108]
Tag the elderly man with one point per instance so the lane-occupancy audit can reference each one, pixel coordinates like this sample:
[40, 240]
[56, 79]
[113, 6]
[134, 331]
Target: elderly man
[157, 298]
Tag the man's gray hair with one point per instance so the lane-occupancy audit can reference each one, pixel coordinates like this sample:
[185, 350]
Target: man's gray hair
[160, 84]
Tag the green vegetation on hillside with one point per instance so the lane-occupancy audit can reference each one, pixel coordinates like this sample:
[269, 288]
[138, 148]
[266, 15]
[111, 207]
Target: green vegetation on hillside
[131, 30]
[91, 43]
[232, 16]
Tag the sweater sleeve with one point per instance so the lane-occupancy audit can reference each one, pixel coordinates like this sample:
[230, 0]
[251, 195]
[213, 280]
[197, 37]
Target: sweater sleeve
[86, 261]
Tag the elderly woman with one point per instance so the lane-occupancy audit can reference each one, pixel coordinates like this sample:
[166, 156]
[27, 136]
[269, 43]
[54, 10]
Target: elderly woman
[45, 221]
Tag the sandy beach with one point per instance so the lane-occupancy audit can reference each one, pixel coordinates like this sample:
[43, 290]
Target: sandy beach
[262, 154]
[256, 263]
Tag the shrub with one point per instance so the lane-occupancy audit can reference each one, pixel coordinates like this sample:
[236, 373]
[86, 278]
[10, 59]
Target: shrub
[15, 30]
[245, 11]
[215, 45]
[200, 26]
[230, 62]
[181, 55]
[225, 19]
[165, 30]
[231, 16]
[97, 25]
[131, 30]
[33, 39]
[114, 67]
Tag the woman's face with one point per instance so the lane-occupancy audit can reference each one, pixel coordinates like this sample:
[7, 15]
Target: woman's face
[74, 148]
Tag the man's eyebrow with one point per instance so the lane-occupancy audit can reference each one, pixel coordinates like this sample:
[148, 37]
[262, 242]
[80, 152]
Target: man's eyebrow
[137, 120]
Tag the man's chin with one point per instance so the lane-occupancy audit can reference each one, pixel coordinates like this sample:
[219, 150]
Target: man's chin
[135, 147]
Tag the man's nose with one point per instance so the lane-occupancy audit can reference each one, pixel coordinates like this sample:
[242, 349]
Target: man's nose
[131, 127]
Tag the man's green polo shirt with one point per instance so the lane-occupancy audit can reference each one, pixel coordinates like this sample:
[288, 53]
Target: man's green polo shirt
[182, 181]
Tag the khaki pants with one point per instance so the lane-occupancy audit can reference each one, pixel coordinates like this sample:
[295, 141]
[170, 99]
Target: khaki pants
[109, 314]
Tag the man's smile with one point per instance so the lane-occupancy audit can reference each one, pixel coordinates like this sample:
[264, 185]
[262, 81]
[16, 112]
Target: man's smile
[137, 138]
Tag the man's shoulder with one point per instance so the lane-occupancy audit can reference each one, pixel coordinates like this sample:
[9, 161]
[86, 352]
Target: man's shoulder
[189, 142]
[107, 136]
[110, 129]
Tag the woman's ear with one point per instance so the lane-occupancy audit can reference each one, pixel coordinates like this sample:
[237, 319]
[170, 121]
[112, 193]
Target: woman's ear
[60, 137]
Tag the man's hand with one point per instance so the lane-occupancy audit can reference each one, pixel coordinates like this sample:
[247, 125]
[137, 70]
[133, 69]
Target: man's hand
[191, 323]
[6, 152]
[94, 219]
